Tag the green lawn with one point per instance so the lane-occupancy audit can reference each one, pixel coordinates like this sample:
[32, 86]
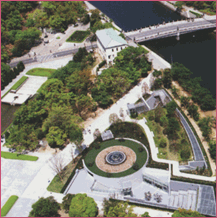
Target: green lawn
[141, 157]
[9, 155]
[56, 184]
[78, 36]
[41, 72]
[16, 85]
[19, 82]
[8, 205]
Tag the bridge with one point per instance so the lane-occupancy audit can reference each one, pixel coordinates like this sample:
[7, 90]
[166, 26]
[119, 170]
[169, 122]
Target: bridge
[174, 28]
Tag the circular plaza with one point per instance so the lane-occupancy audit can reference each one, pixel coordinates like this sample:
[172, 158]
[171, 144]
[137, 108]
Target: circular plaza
[116, 158]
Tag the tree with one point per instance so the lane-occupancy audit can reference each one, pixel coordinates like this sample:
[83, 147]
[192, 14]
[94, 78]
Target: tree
[157, 73]
[145, 88]
[179, 5]
[84, 104]
[146, 214]
[163, 143]
[121, 209]
[57, 165]
[106, 205]
[67, 202]
[171, 107]
[80, 82]
[193, 111]
[80, 55]
[113, 118]
[175, 92]
[212, 149]
[159, 112]
[205, 125]
[186, 213]
[185, 101]
[167, 78]
[45, 207]
[96, 134]
[185, 154]
[157, 84]
[83, 206]
[56, 137]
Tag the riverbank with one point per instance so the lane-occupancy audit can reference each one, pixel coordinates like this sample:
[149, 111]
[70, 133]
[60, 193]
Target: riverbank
[158, 64]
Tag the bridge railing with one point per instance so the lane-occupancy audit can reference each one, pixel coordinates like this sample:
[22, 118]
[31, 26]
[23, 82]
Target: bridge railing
[174, 32]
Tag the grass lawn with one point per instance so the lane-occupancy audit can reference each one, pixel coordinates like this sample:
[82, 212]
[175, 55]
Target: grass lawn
[78, 36]
[56, 184]
[9, 155]
[40, 72]
[19, 82]
[141, 157]
[16, 85]
[8, 205]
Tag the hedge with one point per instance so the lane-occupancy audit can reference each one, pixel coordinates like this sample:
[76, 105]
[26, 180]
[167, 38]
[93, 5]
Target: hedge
[8, 205]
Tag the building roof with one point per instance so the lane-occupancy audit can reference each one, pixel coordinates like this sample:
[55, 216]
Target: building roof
[109, 38]
[107, 135]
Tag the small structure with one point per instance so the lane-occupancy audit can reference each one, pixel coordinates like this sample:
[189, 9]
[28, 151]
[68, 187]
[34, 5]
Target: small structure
[137, 108]
[158, 178]
[107, 135]
[126, 187]
[109, 44]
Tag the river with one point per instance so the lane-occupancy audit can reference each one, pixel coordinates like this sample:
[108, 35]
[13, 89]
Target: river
[196, 51]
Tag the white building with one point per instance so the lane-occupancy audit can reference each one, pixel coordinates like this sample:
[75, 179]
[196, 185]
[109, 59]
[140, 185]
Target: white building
[109, 44]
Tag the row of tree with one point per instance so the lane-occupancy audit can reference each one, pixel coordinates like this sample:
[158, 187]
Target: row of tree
[130, 65]
[200, 95]
[8, 74]
[80, 205]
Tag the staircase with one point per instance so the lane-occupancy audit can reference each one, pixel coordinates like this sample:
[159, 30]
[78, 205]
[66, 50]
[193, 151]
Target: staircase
[183, 199]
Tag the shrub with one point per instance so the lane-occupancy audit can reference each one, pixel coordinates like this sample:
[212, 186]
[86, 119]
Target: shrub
[163, 143]
[67, 202]
[90, 164]
[135, 166]
[102, 64]
[97, 146]
[140, 149]
[20, 66]
[185, 154]
[134, 114]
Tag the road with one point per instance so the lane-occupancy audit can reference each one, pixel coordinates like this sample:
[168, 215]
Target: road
[198, 155]
[169, 27]
[46, 57]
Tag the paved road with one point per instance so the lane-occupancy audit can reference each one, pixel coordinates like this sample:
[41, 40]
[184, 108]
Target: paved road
[44, 58]
[169, 27]
[198, 155]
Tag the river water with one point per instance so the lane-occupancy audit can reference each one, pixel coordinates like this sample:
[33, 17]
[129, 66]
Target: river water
[196, 51]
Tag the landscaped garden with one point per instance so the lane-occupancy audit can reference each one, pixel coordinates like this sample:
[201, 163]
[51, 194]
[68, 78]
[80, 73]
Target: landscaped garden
[169, 135]
[40, 72]
[140, 151]
[78, 36]
[8, 155]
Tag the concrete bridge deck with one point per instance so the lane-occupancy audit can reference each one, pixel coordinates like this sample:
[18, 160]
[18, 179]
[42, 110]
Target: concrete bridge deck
[171, 29]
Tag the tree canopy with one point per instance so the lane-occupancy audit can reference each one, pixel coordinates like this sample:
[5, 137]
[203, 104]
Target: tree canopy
[186, 213]
[117, 209]
[45, 207]
[83, 206]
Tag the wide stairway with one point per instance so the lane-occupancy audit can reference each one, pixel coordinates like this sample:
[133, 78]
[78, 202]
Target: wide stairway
[183, 199]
